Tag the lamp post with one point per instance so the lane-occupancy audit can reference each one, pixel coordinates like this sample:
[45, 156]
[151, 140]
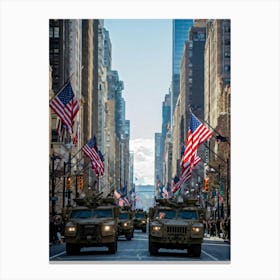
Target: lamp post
[53, 158]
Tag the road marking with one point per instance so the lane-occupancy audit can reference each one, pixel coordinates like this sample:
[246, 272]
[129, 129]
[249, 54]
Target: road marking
[210, 256]
[211, 244]
[140, 239]
[133, 250]
[52, 257]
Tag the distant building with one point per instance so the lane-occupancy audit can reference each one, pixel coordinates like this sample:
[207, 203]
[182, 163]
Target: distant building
[158, 160]
[180, 35]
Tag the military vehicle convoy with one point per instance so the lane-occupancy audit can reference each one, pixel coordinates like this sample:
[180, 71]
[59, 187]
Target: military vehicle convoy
[125, 225]
[176, 225]
[140, 220]
[92, 223]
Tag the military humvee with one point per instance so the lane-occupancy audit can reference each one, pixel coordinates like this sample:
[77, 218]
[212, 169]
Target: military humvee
[176, 226]
[125, 225]
[92, 223]
[140, 220]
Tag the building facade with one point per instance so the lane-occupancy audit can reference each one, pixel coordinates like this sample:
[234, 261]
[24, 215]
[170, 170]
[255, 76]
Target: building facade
[217, 110]
[80, 51]
[180, 29]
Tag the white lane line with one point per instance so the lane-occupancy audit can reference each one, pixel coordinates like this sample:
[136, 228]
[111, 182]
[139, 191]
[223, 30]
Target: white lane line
[133, 250]
[139, 239]
[52, 257]
[210, 256]
[211, 244]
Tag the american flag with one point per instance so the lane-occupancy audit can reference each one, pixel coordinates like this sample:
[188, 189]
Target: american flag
[186, 174]
[90, 150]
[197, 134]
[60, 128]
[66, 106]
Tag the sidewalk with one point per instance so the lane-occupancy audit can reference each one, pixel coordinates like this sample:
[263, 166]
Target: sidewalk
[215, 238]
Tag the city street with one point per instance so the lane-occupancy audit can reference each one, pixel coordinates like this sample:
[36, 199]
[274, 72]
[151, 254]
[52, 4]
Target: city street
[136, 250]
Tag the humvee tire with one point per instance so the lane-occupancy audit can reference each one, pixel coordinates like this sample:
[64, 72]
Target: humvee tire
[113, 247]
[72, 249]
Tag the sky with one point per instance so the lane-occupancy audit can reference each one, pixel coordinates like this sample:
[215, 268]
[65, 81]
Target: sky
[142, 55]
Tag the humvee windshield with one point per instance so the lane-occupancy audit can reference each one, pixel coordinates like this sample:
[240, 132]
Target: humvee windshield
[97, 213]
[139, 215]
[124, 216]
[165, 214]
[80, 214]
[102, 213]
[187, 214]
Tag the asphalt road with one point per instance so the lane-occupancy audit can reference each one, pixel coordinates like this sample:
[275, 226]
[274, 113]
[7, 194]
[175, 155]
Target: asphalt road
[136, 251]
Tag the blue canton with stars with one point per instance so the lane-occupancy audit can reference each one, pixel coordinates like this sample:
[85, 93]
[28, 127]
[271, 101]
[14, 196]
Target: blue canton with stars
[66, 95]
[194, 124]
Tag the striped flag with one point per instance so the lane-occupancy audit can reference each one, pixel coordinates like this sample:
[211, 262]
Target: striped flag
[186, 174]
[197, 134]
[90, 150]
[60, 129]
[66, 106]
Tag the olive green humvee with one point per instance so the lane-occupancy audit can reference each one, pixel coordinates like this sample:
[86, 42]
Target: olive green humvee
[176, 226]
[140, 220]
[125, 225]
[93, 223]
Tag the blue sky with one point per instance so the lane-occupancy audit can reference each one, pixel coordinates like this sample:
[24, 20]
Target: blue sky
[142, 53]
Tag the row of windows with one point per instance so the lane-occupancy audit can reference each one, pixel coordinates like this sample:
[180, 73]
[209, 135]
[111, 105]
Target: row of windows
[54, 32]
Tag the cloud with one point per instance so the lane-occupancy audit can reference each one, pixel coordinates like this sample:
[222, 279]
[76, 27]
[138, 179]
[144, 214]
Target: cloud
[143, 149]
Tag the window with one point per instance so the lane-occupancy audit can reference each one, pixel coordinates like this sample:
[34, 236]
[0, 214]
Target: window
[227, 68]
[227, 29]
[51, 32]
[227, 54]
[80, 214]
[139, 215]
[102, 213]
[165, 214]
[56, 32]
[227, 42]
[187, 214]
[124, 216]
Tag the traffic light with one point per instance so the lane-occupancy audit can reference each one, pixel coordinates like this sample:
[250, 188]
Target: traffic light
[80, 182]
[68, 183]
[206, 184]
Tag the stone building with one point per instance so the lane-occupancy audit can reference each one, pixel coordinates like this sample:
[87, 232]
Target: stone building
[217, 110]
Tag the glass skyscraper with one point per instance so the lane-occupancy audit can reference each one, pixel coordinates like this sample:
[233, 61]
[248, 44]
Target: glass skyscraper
[180, 35]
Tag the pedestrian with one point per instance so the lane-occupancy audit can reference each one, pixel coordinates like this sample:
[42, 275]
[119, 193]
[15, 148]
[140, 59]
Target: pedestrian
[213, 228]
[218, 226]
[51, 231]
[205, 227]
[222, 227]
[58, 229]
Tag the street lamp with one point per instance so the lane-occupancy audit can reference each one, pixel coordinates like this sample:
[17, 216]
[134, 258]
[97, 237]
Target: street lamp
[53, 198]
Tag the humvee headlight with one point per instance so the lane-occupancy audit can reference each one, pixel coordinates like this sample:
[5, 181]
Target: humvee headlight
[125, 224]
[107, 228]
[156, 228]
[196, 229]
[70, 230]
[143, 222]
